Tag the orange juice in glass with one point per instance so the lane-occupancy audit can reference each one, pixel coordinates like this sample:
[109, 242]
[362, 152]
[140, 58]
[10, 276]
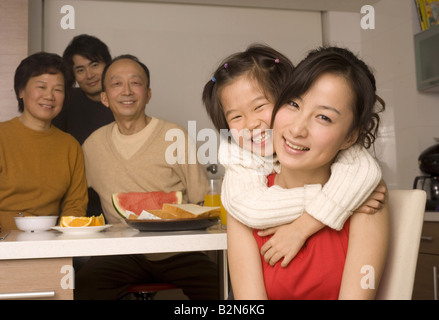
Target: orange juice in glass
[212, 200]
[213, 196]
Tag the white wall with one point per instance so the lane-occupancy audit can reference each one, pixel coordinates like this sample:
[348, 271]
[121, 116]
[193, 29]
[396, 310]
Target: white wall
[411, 119]
[13, 49]
[342, 29]
[181, 44]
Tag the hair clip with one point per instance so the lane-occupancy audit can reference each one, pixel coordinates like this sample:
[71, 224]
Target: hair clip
[276, 60]
[226, 65]
[213, 79]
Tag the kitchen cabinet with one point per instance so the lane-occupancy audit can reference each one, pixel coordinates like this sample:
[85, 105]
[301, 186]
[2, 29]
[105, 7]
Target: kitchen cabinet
[37, 279]
[426, 278]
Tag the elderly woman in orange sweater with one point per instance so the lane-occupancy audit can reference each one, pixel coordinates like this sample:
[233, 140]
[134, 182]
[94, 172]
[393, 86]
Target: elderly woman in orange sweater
[41, 167]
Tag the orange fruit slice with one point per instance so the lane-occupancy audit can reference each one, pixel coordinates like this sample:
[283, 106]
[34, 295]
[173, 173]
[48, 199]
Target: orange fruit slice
[98, 221]
[72, 221]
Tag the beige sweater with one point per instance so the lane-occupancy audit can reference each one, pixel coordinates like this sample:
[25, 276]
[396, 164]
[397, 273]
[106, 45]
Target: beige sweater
[245, 195]
[150, 168]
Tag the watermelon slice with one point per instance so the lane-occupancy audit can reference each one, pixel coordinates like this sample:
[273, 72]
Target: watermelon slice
[136, 202]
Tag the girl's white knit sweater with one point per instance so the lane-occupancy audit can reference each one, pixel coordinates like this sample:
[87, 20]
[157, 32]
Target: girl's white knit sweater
[245, 195]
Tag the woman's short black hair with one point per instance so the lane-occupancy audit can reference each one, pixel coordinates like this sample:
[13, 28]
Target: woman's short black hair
[34, 66]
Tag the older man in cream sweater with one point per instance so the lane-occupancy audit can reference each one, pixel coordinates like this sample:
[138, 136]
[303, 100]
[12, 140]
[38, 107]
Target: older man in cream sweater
[129, 155]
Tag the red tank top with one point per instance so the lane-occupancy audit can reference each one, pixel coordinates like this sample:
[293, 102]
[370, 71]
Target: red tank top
[316, 271]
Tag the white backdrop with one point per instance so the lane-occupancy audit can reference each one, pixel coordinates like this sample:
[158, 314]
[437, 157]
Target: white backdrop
[181, 44]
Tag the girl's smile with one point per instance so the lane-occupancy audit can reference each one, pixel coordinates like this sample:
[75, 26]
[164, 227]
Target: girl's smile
[248, 114]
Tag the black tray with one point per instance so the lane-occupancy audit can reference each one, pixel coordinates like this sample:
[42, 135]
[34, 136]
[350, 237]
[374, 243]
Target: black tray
[172, 224]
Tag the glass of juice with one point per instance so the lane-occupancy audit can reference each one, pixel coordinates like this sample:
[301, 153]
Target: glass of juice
[213, 196]
[213, 199]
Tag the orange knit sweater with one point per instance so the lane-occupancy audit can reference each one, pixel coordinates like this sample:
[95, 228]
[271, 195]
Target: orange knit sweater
[41, 173]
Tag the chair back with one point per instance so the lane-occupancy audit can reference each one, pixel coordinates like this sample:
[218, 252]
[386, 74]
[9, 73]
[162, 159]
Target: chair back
[406, 209]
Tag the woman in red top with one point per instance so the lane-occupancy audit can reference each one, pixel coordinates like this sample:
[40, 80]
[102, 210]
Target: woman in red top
[326, 107]
[316, 271]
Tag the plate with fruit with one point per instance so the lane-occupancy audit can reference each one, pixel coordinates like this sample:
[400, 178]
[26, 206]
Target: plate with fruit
[81, 225]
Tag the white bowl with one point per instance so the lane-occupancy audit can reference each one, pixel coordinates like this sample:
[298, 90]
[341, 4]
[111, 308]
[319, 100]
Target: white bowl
[35, 224]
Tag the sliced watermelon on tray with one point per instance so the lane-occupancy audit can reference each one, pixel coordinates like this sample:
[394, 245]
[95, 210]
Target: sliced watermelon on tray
[137, 202]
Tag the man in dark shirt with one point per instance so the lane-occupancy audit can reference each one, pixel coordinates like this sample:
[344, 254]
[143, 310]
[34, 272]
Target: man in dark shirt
[85, 58]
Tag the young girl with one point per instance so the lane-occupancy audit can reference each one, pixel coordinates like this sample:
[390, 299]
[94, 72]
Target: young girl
[328, 106]
[240, 97]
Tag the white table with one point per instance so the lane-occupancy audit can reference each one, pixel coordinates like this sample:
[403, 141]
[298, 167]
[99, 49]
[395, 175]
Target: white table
[115, 241]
